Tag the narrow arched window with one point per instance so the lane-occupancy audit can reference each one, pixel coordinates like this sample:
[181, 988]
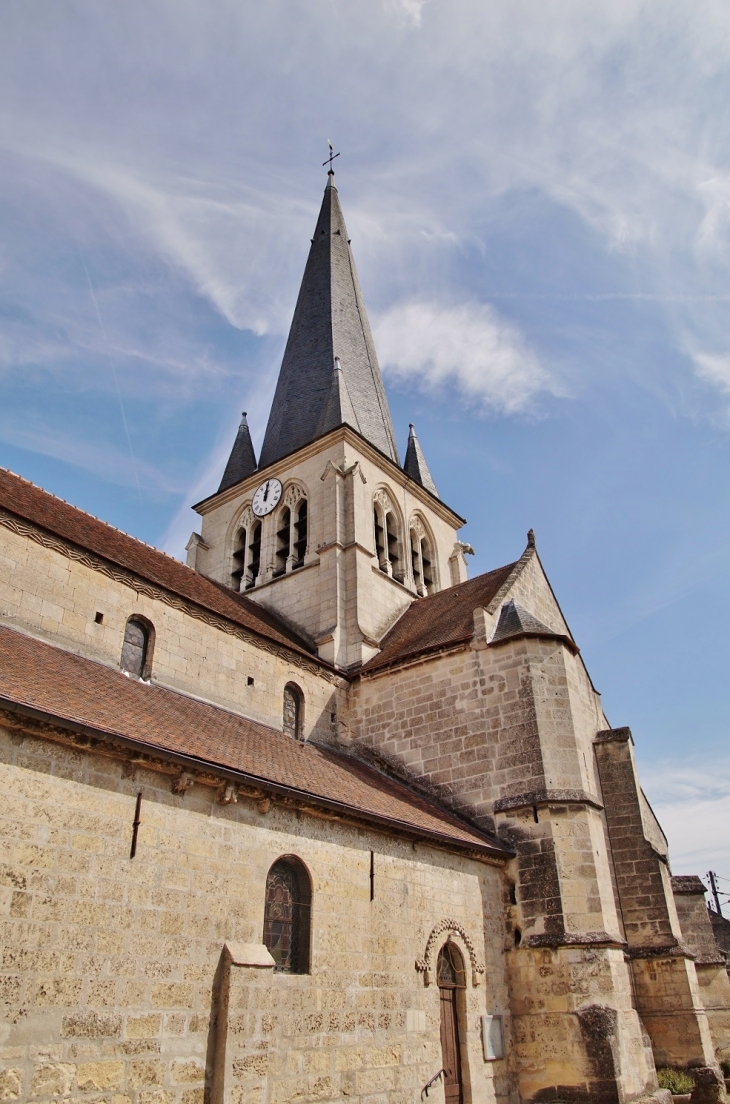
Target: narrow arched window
[293, 711]
[300, 534]
[287, 915]
[254, 556]
[283, 540]
[391, 535]
[239, 560]
[137, 648]
[450, 973]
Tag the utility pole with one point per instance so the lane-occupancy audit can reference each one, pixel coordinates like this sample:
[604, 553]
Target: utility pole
[711, 875]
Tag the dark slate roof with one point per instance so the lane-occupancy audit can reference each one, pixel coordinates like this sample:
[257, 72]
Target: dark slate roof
[329, 321]
[515, 621]
[415, 464]
[83, 694]
[440, 620]
[75, 527]
[338, 410]
[242, 461]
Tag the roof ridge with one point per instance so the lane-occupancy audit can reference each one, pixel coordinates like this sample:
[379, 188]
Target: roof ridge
[106, 524]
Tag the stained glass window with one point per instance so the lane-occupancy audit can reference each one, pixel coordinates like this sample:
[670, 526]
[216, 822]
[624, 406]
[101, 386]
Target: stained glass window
[293, 711]
[286, 916]
[450, 968]
[134, 648]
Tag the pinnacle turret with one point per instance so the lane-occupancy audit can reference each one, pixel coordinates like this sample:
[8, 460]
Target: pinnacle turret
[242, 461]
[415, 464]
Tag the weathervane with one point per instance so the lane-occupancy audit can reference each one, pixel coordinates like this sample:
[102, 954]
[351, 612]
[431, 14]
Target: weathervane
[331, 158]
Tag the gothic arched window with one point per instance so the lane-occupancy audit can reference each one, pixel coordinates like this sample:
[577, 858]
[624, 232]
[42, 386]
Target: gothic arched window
[254, 555]
[293, 711]
[239, 561]
[283, 540]
[300, 533]
[422, 559]
[137, 647]
[287, 911]
[387, 536]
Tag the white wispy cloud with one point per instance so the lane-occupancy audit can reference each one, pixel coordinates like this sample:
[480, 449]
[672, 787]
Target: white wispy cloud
[467, 347]
[691, 798]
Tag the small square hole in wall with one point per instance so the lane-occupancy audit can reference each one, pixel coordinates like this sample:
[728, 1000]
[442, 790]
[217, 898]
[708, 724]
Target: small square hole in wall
[98, 618]
[249, 681]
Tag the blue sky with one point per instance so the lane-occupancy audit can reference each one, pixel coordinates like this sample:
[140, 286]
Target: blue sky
[539, 201]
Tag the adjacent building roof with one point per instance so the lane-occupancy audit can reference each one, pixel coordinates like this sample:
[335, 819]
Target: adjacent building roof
[88, 696]
[242, 461]
[329, 321]
[75, 527]
[415, 464]
[440, 620]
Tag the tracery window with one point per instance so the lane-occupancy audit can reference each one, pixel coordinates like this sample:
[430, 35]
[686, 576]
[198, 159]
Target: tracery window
[422, 559]
[287, 912]
[387, 537]
[291, 531]
[293, 711]
[137, 648]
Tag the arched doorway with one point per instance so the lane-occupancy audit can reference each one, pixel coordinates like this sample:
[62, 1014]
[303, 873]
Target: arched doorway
[450, 977]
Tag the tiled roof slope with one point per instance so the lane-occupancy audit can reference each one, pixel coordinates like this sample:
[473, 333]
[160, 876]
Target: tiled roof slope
[442, 619]
[32, 504]
[83, 693]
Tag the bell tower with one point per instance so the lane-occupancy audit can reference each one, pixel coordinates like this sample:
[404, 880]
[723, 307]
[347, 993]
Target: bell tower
[327, 529]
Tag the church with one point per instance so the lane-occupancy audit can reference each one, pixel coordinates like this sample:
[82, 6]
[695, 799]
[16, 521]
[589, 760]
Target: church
[315, 817]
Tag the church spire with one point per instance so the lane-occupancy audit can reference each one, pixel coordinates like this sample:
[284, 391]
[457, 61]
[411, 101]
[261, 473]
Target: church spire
[415, 464]
[242, 461]
[330, 324]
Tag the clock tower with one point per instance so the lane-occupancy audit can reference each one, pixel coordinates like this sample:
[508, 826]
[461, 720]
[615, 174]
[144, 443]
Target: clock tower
[328, 529]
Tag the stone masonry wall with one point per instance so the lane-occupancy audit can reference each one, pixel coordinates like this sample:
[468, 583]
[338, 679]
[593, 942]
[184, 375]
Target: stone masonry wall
[57, 598]
[109, 963]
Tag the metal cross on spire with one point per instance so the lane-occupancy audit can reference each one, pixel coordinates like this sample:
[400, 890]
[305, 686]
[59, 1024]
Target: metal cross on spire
[331, 158]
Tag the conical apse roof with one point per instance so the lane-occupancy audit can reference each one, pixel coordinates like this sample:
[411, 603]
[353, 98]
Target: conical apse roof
[329, 322]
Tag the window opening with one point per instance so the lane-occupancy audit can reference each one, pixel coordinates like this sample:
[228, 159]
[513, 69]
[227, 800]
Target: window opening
[427, 566]
[135, 648]
[379, 542]
[254, 556]
[239, 560]
[283, 540]
[98, 618]
[392, 539]
[450, 967]
[293, 711]
[300, 534]
[287, 916]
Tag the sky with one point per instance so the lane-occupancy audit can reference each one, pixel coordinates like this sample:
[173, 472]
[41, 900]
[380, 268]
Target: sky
[538, 197]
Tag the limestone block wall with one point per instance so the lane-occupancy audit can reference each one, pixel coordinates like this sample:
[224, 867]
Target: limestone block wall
[712, 979]
[109, 964]
[57, 598]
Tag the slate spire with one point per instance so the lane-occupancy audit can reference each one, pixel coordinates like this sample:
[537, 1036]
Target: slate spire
[242, 461]
[415, 464]
[329, 322]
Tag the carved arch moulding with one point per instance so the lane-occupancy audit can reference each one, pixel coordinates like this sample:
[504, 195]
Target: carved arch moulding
[292, 494]
[383, 499]
[425, 965]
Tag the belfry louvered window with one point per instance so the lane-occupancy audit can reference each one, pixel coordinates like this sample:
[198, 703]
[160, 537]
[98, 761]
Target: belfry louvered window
[287, 911]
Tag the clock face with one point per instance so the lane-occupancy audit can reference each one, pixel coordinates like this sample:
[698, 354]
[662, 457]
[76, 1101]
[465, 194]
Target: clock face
[266, 497]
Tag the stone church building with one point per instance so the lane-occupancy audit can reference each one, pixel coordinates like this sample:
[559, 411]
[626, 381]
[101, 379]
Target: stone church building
[316, 817]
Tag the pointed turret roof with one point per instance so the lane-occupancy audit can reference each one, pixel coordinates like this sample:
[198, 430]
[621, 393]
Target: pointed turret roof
[242, 461]
[515, 621]
[329, 321]
[415, 464]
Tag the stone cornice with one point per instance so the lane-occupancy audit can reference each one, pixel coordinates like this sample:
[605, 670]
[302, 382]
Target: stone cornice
[546, 797]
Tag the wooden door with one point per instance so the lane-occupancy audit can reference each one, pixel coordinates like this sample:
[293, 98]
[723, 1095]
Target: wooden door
[451, 1054]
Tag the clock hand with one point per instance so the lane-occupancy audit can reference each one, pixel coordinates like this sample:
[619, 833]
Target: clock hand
[266, 492]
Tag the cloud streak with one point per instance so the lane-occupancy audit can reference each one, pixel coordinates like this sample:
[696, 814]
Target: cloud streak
[467, 347]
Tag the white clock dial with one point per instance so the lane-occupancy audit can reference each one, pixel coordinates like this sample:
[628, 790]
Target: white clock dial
[266, 497]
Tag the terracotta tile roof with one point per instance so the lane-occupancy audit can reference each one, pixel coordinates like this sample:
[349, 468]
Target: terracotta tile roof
[440, 620]
[88, 695]
[32, 504]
